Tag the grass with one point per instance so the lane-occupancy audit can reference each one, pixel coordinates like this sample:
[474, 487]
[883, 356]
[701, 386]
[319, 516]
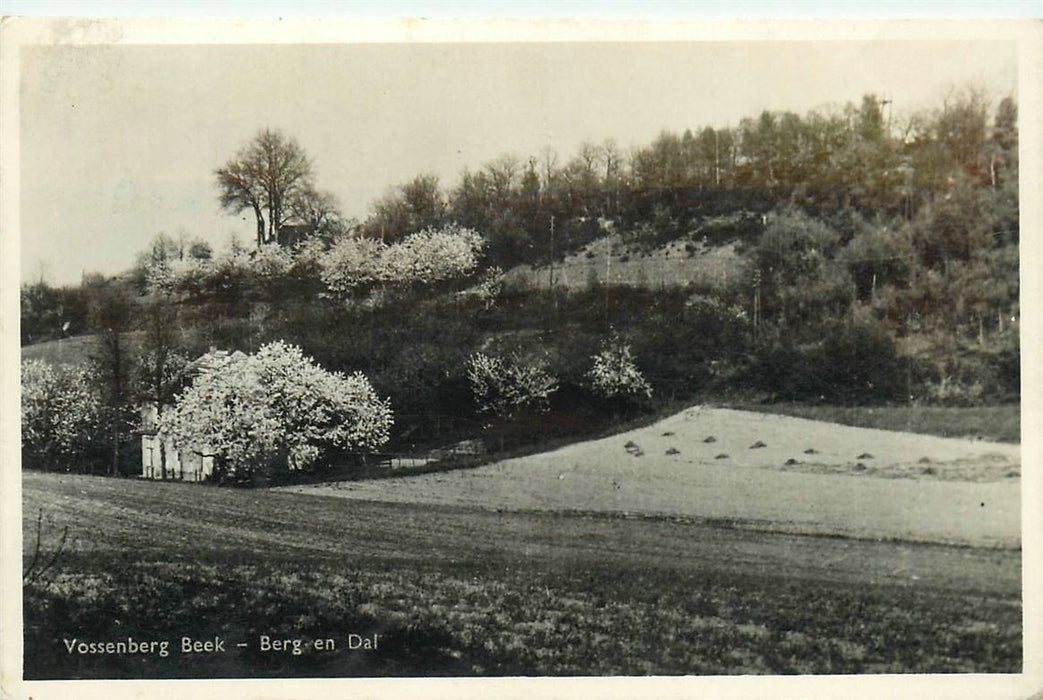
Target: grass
[669, 265]
[465, 591]
[71, 351]
[995, 423]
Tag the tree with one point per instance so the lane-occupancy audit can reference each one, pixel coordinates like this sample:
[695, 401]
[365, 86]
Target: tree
[317, 212]
[266, 177]
[110, 314]
[41, 312]
[254, 411]
[408, 208]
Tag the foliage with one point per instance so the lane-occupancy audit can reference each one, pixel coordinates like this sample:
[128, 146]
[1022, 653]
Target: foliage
[61, 415]
[408, 208]
[112, 311]
[255, 410]
[614, 374]
[853, 361]
[507, 387]
[882, 255]
[41, 312]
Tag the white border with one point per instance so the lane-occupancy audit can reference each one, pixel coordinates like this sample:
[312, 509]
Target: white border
[1028, 34]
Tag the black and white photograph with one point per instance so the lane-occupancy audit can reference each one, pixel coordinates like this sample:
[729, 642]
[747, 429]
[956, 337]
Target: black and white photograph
[496, 352]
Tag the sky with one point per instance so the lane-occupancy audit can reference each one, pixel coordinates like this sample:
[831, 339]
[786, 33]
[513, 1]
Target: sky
[119, 142]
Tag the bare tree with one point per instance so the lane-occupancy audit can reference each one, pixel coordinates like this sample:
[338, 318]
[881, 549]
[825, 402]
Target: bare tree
[265, 177]
[502, 173]
[317, 211]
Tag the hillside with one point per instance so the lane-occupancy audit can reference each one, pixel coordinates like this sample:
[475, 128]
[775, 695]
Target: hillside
[74, 350]
[703, 463]
[67, 351]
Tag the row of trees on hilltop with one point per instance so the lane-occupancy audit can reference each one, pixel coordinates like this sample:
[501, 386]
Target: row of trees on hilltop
[856, 157]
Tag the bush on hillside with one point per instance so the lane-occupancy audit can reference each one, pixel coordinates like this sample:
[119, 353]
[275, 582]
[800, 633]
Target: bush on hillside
[854, 362]
[506, 387]
[614, 375]
[355, 264]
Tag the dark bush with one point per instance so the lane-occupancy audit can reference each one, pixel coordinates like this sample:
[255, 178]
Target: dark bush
[855, 362]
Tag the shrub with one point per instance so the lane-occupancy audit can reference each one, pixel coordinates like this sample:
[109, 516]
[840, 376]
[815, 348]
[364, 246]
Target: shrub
[353, 263]
[614, 374]
[854, 362]
[506, 387]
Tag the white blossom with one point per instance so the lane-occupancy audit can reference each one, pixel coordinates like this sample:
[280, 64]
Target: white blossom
[270, 262]
[247, 411]
[614, 373]
[505, 387]
[61, 414]
[428, 256]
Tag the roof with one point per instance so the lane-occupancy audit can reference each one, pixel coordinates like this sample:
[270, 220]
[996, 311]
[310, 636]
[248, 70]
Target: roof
[211, 361]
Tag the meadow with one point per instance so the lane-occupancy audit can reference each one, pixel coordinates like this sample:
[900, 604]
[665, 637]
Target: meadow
[465, 590]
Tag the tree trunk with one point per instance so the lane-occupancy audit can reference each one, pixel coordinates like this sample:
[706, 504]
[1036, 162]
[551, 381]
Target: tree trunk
[260, 225]
[163, 459]
[117, 401]
[114, 469]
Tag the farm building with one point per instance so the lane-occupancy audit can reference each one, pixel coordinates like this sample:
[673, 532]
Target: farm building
[159, 458]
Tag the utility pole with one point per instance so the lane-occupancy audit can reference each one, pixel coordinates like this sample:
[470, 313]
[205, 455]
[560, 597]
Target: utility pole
[888, 102]
[552, 292]
[551, 279]
[716, 159]
[756, 302]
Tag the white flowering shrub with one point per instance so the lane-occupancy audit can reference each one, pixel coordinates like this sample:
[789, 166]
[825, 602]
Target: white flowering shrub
[265, 267]
[433, 255]
[428, 256]
[614, 374]
[160, 278]
[505, 387]
[351, 263]
[61, 414]
[270, 262]
[278, 401]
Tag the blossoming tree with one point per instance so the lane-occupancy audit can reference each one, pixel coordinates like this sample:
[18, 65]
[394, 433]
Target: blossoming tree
[504, 387]
[275, 404]
[614, 375]
[61, 415]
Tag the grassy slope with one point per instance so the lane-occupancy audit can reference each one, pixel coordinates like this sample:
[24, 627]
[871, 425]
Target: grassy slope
[609, 260]
[860, 482]
[469, 591]
[71, 351]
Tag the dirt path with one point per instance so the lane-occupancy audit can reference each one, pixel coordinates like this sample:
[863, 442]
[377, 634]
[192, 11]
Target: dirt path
[971, 494]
